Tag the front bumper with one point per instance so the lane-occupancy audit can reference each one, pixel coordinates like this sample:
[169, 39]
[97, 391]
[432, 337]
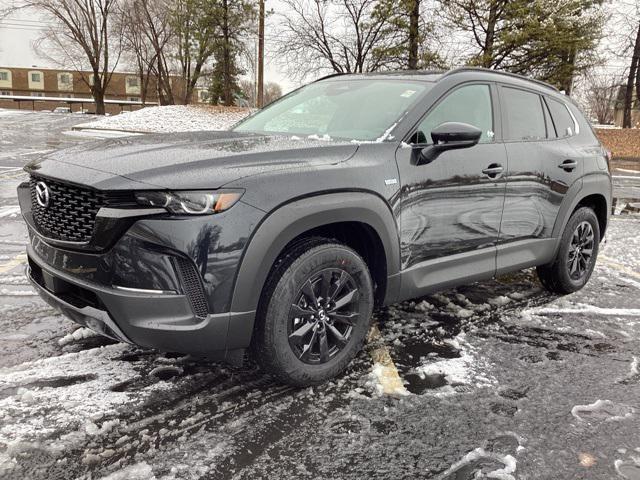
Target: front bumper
[159, 281]
[162, 321]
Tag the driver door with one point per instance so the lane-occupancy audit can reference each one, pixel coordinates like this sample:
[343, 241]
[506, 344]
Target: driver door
[450, 209]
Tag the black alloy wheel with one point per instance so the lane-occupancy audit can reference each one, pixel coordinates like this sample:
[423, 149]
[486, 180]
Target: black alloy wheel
[580, 252]
[321, 320]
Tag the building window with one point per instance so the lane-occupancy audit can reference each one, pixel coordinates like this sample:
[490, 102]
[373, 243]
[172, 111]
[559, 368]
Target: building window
[132, 85]
[36, 81]
[5, 93]
[66, 95]
[37, 94]
[91, 78]
[133, 99]
[65, 81]
[5, 78]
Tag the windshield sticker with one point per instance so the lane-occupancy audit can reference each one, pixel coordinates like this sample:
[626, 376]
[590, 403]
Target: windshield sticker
[407, 93]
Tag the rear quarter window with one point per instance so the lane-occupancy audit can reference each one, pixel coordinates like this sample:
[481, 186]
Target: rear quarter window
[562, 119]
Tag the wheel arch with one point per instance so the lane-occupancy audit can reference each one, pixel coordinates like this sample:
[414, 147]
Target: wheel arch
[594, 192]
[330, 215]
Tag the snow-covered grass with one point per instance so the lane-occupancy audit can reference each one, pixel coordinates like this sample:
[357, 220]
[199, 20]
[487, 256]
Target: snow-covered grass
[171, 118]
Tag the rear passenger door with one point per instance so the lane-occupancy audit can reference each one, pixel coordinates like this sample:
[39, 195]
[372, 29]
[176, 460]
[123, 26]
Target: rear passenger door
[536, 182]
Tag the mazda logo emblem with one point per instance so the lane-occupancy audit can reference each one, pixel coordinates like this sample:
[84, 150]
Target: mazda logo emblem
[43, 196]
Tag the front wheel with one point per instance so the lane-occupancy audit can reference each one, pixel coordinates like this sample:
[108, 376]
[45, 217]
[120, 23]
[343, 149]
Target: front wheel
[314, 313]
[576, 258]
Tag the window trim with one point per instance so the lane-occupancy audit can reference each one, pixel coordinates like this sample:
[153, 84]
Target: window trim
[495, 107]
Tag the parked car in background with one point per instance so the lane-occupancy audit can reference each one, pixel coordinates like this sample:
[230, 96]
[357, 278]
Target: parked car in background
[62, 110]
[280, 236]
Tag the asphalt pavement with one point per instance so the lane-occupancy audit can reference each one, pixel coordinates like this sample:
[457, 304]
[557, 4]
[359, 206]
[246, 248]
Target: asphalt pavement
[494, 380]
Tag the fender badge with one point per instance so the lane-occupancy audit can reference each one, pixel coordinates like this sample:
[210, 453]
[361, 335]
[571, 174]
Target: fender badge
[391, 181]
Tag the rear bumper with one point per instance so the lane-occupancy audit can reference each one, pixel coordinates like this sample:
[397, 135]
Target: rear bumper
[164, 321]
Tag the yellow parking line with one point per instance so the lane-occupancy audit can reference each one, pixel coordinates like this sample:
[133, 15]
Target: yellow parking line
[618, 266]
[13, 263]
[384, 369]
[11, 176]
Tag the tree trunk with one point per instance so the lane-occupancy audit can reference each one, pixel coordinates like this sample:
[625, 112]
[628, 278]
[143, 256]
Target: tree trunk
[631, 79]
[226, 57]
[571, 62]
[97, 91]
[98, 95]
[490, 37]
[414, 33]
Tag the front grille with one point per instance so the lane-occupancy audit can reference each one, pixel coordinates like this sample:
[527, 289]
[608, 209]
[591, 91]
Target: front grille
[192, 286]
[71, 213]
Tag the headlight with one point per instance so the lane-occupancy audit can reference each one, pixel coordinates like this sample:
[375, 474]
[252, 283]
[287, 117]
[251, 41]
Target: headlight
[190, 203]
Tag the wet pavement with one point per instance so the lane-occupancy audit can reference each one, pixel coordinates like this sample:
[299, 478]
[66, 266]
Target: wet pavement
[497, 380]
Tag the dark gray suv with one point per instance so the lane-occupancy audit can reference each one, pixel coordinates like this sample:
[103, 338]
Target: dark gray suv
[281, 235]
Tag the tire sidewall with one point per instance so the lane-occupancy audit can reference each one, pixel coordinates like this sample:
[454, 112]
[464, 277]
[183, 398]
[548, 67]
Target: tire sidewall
[285, 294]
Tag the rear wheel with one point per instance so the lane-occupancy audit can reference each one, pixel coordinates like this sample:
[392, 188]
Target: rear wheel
[576, 258]
[314, 313]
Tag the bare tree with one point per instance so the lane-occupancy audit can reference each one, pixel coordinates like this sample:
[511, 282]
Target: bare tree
[82, 35]
[342, 36]
[272, 92]
[600, 95]
[138, 49]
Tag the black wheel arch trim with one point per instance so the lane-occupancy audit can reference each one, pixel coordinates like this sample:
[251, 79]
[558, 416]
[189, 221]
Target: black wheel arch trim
[289, 221]
[595, 183]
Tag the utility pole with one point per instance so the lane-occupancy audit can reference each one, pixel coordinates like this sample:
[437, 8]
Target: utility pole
[261, 56]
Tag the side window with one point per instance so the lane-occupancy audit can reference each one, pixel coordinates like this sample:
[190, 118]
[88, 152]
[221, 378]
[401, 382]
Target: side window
[524, 115]
[469, 104]
[561, 118]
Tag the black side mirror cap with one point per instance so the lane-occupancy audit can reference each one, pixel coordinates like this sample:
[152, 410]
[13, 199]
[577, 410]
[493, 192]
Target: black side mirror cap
[448, 136]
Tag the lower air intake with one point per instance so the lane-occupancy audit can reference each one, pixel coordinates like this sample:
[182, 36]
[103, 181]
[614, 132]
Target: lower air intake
[192, 286]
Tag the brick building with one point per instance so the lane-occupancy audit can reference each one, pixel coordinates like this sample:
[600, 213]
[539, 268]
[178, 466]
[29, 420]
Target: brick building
[43, 86]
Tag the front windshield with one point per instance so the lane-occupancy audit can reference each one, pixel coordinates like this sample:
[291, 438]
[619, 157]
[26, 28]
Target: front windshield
[361, 109]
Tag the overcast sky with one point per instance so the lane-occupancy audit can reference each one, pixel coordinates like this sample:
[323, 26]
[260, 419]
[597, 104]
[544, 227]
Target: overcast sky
[18, 34]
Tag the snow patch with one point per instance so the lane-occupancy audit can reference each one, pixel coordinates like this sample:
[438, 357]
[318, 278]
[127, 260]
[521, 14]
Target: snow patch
[603, 409]
[77, 335]
[171, 118]
[139, 471]
[478, 454]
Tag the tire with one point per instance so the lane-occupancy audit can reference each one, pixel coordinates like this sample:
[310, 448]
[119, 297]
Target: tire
[303, 345]
[571, 270]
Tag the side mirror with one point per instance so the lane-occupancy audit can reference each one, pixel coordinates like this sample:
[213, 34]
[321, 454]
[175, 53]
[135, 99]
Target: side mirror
[448, 136]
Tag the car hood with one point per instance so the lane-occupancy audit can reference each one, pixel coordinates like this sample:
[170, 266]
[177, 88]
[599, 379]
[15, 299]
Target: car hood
[186, 160]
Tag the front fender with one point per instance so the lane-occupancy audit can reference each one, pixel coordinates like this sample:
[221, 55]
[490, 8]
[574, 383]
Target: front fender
[289, 221]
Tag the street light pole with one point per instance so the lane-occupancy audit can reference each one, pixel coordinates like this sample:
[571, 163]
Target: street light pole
[261, 56]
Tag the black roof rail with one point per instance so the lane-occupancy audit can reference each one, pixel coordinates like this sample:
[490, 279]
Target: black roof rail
[500, 72]
[331, 75]
[383, 72]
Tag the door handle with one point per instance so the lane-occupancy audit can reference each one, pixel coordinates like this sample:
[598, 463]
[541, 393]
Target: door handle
[568, 165]
[493, 170]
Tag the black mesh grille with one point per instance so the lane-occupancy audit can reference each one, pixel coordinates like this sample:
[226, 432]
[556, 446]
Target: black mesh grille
[72, 210]
[192, 286]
